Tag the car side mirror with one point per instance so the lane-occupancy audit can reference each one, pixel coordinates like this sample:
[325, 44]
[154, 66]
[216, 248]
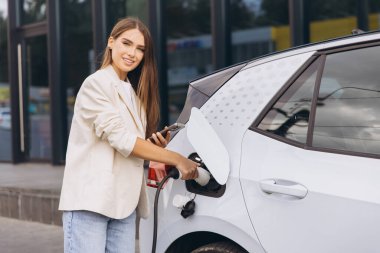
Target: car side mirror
[208, 145]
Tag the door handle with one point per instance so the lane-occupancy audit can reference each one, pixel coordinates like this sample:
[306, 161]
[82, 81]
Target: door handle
[283, 187]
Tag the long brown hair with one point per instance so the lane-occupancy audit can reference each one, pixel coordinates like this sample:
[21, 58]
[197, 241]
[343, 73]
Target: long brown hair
[144, 77]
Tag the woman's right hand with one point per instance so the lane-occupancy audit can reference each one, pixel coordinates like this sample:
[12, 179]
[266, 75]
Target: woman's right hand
[188, 168]
[160, 140]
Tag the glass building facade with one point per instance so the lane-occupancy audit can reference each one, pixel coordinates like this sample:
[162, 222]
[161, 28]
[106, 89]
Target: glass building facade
[48, 47]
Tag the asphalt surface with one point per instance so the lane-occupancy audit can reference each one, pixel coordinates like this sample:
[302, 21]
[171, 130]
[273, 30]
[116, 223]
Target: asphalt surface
[18, 236]
[35, 176]
[6, 142]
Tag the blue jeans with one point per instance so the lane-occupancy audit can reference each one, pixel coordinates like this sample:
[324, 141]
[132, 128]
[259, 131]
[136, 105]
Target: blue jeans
[89, 232]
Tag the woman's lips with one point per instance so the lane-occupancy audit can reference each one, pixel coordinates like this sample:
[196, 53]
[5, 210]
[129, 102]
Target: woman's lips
[128, 61]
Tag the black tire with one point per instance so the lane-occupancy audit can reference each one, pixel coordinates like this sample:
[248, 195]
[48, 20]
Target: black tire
[219, 247]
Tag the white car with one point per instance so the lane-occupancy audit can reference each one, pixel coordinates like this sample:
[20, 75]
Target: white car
[302, 133]
[5, 118]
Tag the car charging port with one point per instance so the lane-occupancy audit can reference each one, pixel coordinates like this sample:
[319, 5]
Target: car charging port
[211, 189]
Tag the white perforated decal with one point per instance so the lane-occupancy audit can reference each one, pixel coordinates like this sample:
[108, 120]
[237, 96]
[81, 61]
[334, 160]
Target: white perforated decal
[243, 97]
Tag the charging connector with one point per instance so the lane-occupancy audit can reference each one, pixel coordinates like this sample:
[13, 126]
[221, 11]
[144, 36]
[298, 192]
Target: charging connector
[202, 179]
[175, 174]
[185, 204]
[203, 176]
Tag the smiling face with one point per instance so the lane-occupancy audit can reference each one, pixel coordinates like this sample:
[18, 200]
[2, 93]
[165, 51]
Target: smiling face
[127, 51]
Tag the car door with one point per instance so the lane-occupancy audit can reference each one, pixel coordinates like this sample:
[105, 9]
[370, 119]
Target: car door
[310, 165]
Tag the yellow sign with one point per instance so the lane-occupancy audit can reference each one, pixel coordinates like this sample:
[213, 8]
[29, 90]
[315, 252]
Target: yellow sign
[4, 94]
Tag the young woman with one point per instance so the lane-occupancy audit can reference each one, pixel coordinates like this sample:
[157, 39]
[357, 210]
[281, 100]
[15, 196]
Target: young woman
[115, 110]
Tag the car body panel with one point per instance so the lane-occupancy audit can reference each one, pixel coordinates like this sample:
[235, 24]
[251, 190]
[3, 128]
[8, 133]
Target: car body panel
[210, 213]
[341, 208]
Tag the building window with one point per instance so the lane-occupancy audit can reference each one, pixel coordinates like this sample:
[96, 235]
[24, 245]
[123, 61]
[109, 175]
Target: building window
[258, 28]
[78, 56]
[32, 11]
[117, 9]
[5, 102]
[331, 18]
[38, 100]
[374, 15]
[189, 48]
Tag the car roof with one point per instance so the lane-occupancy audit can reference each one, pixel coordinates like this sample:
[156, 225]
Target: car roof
[318, 46]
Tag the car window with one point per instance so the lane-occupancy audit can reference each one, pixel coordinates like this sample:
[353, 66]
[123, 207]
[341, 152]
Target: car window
[289, 117]
[347, 114]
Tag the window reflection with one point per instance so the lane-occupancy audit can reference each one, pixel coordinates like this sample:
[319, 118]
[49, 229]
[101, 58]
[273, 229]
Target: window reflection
[5, 105]
[117, 9]
[331, 18]
[374, 15]
[347, 116]
[32, 11]
[289, 117]
[188, 47]
[78, 57]
[37, 83]
[258, 28]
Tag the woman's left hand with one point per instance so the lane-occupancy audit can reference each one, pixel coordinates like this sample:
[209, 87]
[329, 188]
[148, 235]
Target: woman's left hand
[160, 140]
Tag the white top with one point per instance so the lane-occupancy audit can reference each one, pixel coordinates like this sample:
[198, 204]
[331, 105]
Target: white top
[130, 93]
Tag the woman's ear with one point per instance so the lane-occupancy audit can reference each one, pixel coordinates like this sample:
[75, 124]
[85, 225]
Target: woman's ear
[110, 42]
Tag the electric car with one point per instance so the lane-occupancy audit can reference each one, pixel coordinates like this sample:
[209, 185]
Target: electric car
[302, 133]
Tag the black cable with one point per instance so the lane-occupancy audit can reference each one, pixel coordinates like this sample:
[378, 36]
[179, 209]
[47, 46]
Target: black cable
[173, 173]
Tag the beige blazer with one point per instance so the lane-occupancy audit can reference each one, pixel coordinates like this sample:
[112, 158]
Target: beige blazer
[100, 174]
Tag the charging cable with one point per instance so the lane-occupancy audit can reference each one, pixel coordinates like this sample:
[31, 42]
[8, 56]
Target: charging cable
[175, 174]
[202, 179]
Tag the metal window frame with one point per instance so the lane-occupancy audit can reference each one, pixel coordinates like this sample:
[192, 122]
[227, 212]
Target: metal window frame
[98, 14]
[58, 97]
[299, 22]
[13, 77]
[157, 26]
[221, 33]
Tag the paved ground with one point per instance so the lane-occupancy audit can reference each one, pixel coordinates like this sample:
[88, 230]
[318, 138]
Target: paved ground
[38, 176]
[18, 236]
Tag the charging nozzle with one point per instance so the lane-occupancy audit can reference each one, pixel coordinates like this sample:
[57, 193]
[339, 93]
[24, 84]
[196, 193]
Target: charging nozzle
[188, 207]
[174, 173]
[203, 176]
[202, 179]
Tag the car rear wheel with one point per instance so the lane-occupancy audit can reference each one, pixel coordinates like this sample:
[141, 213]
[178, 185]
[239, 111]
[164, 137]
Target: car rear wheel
[219, 247]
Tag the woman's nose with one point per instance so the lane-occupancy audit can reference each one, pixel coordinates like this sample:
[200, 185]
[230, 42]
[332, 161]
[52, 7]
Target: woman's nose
[131, 51]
